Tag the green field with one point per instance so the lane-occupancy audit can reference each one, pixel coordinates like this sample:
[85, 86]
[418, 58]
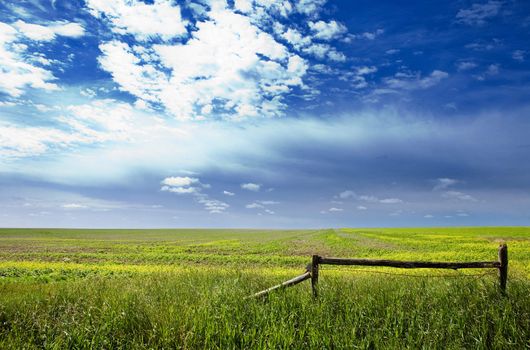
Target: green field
[186, 289]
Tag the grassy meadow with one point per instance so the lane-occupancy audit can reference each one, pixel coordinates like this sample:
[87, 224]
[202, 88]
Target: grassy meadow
[186, 289]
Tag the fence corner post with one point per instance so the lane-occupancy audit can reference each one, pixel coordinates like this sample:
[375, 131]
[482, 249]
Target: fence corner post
[503, 268]
[314, 274]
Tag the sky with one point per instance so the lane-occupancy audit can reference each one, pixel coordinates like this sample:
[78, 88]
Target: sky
[264, 113]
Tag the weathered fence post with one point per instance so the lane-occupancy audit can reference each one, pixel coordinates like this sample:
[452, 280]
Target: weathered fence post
[503, 268]
[314, 275]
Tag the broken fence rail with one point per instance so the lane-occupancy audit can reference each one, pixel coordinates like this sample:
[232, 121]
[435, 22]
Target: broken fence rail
[312, 270]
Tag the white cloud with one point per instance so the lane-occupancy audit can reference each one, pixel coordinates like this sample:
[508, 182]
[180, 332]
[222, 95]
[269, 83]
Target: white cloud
[518, 55]
[18, 72]
[141, 80]
[324, 51]
[179, 190]
[484, 45]
[368, 198]
[492, 70]
[365, 70]
[74, 206]
[428, 216]
[180, 185]
[183, 185]
[374, 199]
[268, 202]
[361, 207]
[408, 81]
[443, 183]
[295, 38]
[179, 181]
[50, 31]
[458, 196]
[229, 68]
[335, 209]
[477, 14]
[228, 193]
[390, 201]
[347, 194]
[251, 187]
[268, 211]
[254, 206]
[366, 35]
[327, 30]
[145, 21]
[213, 206]
[465, 65]
[309, 7]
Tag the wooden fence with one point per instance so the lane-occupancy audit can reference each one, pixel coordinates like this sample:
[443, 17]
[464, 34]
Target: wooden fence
[312, 270]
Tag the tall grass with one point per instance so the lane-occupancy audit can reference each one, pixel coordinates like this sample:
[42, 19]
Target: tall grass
[194, 309]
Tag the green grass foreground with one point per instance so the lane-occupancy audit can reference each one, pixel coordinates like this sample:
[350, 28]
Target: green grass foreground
[186, 289]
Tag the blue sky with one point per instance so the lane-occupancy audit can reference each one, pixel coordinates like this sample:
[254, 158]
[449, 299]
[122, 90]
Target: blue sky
[264, 113]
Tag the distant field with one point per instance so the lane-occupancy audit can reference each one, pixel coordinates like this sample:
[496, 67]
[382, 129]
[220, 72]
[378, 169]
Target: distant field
[185, 289]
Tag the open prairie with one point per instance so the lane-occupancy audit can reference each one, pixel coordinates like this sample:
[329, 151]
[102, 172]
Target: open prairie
[186, 289]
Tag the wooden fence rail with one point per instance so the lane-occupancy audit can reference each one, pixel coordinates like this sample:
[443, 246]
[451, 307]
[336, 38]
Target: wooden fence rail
[501, 264]
[312, 270]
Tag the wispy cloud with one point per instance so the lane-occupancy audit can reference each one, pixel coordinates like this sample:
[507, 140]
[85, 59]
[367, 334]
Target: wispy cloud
[519, 55]
[333, 209]
[477, 14]
[444, 182]
[415, 81]
[251, 187]
[457, 195]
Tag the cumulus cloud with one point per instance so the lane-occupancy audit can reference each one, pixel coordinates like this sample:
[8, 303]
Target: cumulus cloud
[228, 193]
[324, 51]
[183, 184]
[309, 7]
[237, 71]
[251, 187]
[160, 19]
[361, 207]
[194, 187]
[296, 38]
[477, 14]
[327, 30]
[177, 184]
